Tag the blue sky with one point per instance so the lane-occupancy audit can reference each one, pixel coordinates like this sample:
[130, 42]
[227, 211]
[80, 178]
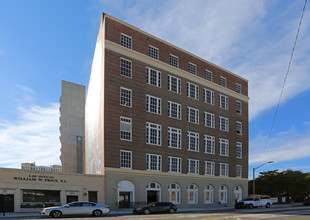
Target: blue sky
[44, 42]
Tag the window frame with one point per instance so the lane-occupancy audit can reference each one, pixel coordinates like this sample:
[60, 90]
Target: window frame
[239, 150]
[153, 52]
[178, 111]
[156, 107]
[238, 172]
[224, 126]
[128, 123]
[152, 126]
[223, 81]
[212, 168]
[124, 70]
[223, 101]
[224, 169]
[123, 99]
[224, 147]
[239, 127]
[174, 63]
[192, 90]
[195, 135]
[124, 44]
[178, 133]
[206, 116]
[178, 164]
[192, 68]
[209, 75]
[238, 88]
[211, 139]
[122, 159]
[158, 162]
[196, 166]
[208, 95]
[192, 113]
[157, 78]
[239, 107]
[170, 84]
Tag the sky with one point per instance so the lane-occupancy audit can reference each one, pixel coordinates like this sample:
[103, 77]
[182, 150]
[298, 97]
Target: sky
[44, 42]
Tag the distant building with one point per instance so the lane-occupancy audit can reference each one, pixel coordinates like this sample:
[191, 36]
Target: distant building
[32, 166]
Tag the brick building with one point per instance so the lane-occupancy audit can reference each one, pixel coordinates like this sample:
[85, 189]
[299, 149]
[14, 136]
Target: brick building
[163, 124]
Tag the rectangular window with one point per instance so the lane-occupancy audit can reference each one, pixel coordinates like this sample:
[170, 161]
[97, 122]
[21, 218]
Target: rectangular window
[174, 84]
[209, 168]
[209, 119]
[174, 61]
[40, 196]
[209, 75]
[192, 68]
[125, 97]
[174, 110]
[239, 150]
[126, 41]
[193, 141]
[192, 115]
[224, 169]
[224, 147]
[126, 67]
[125, 128]
[192, 166]
[192, 91]
[238, 88]
[174, 164]
[153, 104]
[223, 81]
[239, 127]
[239, 171]
[238, 107]
[153, 52]
[153, 77]
[208, 96]
[223, 102]
[126, 159]
[153, 134]
[209, 142]
[174, 138]
[153, 162]
[224, 124]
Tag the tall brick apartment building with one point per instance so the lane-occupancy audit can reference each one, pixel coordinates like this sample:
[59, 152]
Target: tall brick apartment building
[163, 124]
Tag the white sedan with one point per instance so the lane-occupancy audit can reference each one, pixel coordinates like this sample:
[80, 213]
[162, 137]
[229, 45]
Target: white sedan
[76, 208]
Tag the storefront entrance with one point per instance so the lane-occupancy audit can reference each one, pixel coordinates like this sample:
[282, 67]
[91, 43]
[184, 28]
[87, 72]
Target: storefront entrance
[124, 199]
[126, 193]
[7, 203]
[72, 199]
[153, 191]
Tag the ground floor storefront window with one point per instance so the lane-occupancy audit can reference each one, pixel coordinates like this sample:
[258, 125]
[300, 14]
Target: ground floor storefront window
[39, 198]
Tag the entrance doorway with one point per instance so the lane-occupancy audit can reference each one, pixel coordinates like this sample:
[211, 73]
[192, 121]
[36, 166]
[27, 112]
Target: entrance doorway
[126, 194]
[153, 192]
[124, 199]
[7, 203]
[72, 199]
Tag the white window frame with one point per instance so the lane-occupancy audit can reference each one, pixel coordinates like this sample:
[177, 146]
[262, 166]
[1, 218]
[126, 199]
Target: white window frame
[153, 52]
[125, 122]
[224, 169]
[239, 171]
[192, 192]
[224, 123]
[153, 104]
[223, 194]
[223, 81]
[224, 147]
[208, 192]
[192, 68]
[209, 119]
[174, 84]
[174, 61]
[153, 77]
[238, 88]
[126, 67]
[192, 90]
[209, 144]
[126, 41]
[223, 101]
[174, 138]
[239, 127]
[123, 159]
[209, 75]
[174, 109]
[174, 188]
[152, 128]
[174, 164]
[209, 96]
[193, 164]
[158, 161]
[192, 115]
[239, 107]
[192, 141]
[209, 166]
[239, 150]
[125, 97]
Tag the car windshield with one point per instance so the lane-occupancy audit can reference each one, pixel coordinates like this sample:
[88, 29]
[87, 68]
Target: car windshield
[248, 199]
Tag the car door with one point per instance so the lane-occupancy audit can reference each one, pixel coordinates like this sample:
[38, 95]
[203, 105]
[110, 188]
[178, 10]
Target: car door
[72, 208]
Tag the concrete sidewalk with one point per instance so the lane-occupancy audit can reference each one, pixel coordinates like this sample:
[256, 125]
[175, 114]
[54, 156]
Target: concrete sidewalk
[275, 207]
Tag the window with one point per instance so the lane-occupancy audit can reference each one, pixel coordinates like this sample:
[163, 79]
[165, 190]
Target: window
[125, 128]
[192, 68]
[224, 124]
[174, 193]
[192, 141]
[125, 96]
[238, 107]
[153, 162]
[224, 147]
[174, 84]
[153, 77]
[208, 96]
[174, 138]
[174, 164]
[192, 115]
[174, 110]
[192, 91]
[239, 150]
[32, 195]
[126, 41]
[223, 81]
[153, 52]
[153, 104]
[209, 168]
[153, 134]
[223, 194]
[192, 194]
[209, 75]
[239, 171]
[174, 61]
[223, 101]
[126, 159]
[192, 166]
[209, 142]
[209, 119]
[126, 67]
[224, 168]
[208, 192]
[238, 88]
[239, 127]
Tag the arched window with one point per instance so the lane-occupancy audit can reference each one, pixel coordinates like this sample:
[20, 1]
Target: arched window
[238, 193]
[174, 193]
[126, 193]
[208, 192]
[153, 192]
[192, 194]
[223, 194]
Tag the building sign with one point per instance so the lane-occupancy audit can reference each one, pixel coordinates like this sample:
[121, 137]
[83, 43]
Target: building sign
[40, 178]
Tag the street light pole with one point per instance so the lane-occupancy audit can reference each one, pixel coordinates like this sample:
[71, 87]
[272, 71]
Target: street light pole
[254, 174]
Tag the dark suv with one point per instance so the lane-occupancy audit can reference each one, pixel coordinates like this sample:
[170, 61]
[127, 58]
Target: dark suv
[156, 207]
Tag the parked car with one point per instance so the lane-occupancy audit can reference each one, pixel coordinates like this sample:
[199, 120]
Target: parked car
[254, 202]
[156, 207]
[306, 201]
[76, 208]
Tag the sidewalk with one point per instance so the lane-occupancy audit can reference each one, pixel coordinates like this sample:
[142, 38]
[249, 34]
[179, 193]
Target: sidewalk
[15, 215]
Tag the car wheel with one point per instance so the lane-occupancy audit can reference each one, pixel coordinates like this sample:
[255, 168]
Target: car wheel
[268, 205]
[147, 211]
[251, 206]
[56, 214]
[97, 213]
[171, 211]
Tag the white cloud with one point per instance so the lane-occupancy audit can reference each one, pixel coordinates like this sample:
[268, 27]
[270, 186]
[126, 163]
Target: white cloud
[33, 138]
